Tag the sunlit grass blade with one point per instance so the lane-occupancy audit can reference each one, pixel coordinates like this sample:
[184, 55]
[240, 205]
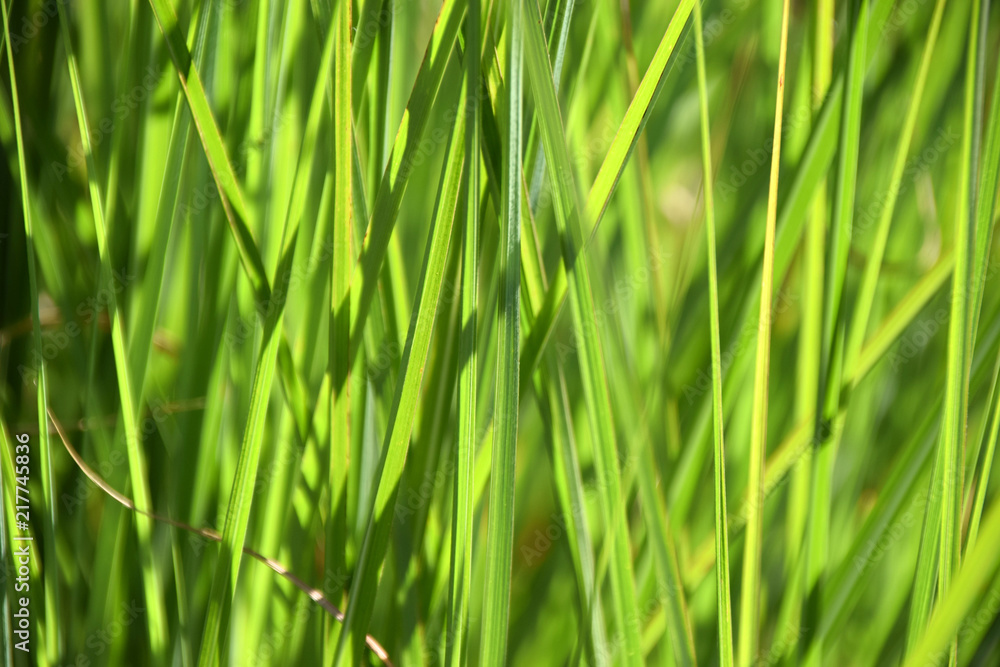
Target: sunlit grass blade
[407, 152]
[400, 421]
[226, 182]
[951, 453]
[339, 357]
[969, 581]
[611, 170]
[460, 576]
[316, 595]
[749, 628]
[810, 339]
[500, 536]
[237, 515]
[572, 495]
[665, 556]
[989, 178]
[866, 294]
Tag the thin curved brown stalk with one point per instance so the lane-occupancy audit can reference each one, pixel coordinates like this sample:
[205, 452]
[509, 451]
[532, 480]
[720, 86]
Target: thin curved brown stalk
[314, 593]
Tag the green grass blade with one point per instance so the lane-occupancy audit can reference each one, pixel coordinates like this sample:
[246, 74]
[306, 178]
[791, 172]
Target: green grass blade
[973, 577]
[611, 170]
[569, 217]
[833, 333]
[53, 634]
[869, 281]
[952, 445]
[241, 496]
[460, 577]
[400, 420]
[750, 594]
[233, 203]
[723, 600]
[156, 612]
[339, 351]
[407, 153]
[500, 538]
[985, 211]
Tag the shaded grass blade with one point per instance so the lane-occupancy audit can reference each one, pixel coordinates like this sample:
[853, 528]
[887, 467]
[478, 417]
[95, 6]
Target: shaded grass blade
[569, 217]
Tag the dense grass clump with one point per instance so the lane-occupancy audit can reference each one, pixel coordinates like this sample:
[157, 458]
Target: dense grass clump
[534, 332]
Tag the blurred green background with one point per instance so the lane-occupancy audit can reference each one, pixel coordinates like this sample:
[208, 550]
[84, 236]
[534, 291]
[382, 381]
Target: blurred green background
[236, 415]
